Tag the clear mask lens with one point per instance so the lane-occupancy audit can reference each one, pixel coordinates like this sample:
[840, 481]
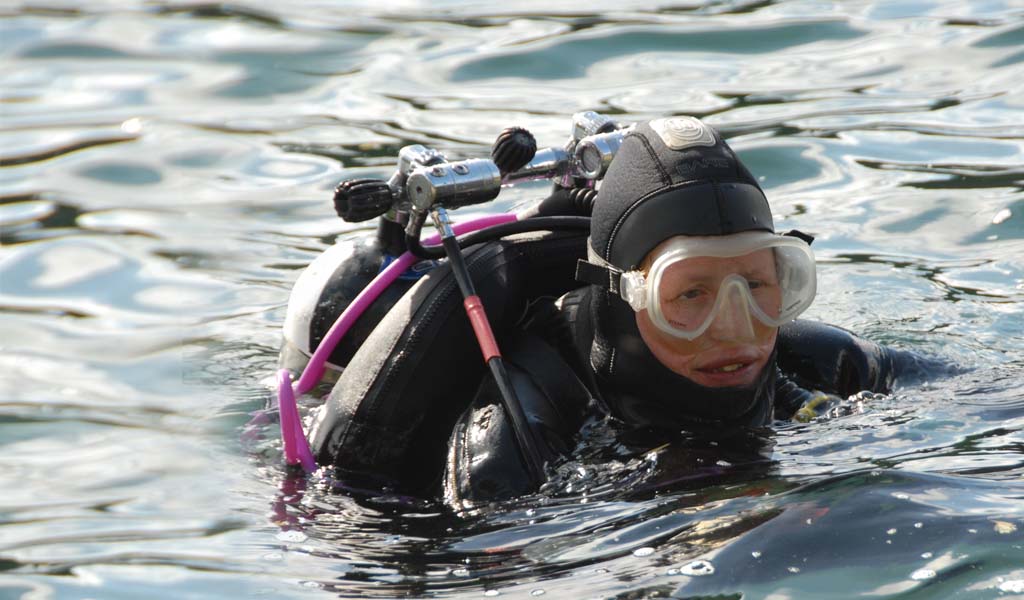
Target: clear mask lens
[694, 285]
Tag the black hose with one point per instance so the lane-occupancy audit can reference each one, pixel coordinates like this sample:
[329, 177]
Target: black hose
[412, 237]
[528, 444]
[560, 223]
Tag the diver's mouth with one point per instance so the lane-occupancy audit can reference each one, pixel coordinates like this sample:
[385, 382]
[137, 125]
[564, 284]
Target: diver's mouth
[727, 368]
[734, 370]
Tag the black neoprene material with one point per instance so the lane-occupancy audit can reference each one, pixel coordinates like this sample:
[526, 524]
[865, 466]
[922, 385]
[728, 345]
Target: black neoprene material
[484, 465]
[652, 192]
[836, 361]
[483, 461]
[711, 208]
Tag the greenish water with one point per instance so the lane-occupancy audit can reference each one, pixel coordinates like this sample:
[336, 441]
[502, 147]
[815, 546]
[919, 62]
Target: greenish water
[166, 171]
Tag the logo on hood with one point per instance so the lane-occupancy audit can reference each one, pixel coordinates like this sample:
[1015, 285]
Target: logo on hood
[689, 169]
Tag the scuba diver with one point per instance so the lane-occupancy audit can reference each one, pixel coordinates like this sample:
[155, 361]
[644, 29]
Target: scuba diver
[674, 314]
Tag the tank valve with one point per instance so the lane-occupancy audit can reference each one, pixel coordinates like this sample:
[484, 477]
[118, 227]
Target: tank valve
[588, 123]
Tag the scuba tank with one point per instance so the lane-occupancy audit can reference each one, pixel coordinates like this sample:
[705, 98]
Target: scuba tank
[331, 282]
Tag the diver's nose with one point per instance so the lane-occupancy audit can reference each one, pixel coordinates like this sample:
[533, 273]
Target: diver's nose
[732, 322]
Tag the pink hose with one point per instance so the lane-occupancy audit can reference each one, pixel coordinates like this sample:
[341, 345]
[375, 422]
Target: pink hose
[296, 446]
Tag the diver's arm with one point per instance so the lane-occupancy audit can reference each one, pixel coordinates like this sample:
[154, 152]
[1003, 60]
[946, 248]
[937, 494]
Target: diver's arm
[833, 360]
[485, 462]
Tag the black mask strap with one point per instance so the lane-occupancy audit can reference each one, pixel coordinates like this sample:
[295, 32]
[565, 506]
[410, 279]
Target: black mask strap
[605, 277]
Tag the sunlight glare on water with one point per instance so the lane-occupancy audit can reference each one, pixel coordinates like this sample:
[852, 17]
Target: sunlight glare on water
[166, 171]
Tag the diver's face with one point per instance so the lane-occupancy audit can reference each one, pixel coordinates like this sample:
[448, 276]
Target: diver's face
[735, 348]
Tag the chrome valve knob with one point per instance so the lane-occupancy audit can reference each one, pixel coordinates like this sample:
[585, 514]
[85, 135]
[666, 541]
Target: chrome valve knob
[588, 123]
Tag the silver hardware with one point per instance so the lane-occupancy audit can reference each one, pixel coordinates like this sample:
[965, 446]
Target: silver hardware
[588, 123]
[547, 163]
[475, 180]
[442, 222]
[594, 153]
[425, 179]
[410, 157]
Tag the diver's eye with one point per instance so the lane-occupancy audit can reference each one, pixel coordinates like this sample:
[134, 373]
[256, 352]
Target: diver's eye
[690, 294]
[761, 284]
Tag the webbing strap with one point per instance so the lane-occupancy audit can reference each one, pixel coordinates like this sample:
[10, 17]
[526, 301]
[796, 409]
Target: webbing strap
[599, 275]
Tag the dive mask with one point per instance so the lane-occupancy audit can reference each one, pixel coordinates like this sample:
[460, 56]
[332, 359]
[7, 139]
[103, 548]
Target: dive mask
[694, 280]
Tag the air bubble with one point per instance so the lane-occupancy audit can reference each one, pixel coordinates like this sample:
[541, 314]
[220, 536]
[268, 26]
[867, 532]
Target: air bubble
[645, 551]
[922, 574]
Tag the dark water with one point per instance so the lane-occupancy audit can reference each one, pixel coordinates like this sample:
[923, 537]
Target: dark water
[165, 172]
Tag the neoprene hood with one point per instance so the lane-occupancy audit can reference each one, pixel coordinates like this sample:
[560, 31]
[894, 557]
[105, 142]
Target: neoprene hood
[671, 177]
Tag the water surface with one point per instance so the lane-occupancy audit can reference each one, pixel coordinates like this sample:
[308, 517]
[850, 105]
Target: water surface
[166, 171]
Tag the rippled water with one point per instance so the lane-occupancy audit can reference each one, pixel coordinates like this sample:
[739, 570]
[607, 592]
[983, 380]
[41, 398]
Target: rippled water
[165, 172]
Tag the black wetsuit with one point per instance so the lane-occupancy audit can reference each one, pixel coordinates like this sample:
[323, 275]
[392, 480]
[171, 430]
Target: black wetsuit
[582, 357]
